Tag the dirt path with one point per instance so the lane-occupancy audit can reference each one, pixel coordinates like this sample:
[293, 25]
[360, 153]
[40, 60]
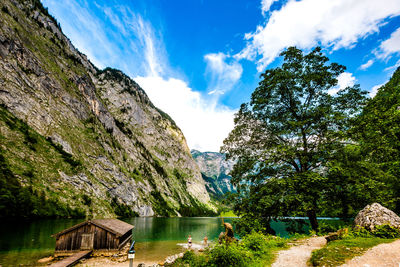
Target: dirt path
[383, 255]
[298, 255]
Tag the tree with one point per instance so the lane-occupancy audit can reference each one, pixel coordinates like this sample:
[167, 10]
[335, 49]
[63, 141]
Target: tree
[378, 133]
[283, 138]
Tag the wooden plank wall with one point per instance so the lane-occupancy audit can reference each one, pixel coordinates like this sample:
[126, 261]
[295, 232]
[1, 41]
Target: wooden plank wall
[72, 240]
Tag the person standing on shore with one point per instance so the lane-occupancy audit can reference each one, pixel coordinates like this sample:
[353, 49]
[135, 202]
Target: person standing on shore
[205, 241]
[190, 242]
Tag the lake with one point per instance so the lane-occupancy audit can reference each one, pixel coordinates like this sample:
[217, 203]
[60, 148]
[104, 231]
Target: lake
[24, 242]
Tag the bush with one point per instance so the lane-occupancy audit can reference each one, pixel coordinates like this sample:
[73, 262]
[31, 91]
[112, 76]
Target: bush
[254, 249]
[232, 255]
[191, 259]
[248, 224]
[386, 231]
[324, 228]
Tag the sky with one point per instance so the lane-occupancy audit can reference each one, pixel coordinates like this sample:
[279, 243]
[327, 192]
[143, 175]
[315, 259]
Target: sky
[199, 60]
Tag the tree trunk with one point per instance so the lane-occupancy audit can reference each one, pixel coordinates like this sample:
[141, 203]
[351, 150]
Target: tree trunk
[312, 216]
[269, 229]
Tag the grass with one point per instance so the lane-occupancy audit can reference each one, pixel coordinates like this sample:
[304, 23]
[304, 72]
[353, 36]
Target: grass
[227, 214]
[337, 252]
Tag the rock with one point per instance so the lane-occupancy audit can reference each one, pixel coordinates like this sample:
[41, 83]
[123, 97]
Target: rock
[141, 265]
[127, 151]
[171, 259]
[337, 235]
[376, 214]
[46, 260]
[215, 171]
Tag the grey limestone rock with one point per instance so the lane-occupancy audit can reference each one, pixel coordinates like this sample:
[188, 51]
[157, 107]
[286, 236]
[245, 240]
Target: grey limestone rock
[375, 214]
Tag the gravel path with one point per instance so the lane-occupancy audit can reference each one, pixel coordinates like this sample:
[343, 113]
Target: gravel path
[299, 253]
[383, 255]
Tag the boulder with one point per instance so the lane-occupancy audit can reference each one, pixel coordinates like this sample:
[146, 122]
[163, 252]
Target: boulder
[375, 214]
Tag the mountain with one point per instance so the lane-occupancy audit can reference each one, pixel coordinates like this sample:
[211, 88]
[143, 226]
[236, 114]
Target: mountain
[215, 169]
[79, 141]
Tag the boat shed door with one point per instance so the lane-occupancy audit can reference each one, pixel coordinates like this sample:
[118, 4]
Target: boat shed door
[87, 241]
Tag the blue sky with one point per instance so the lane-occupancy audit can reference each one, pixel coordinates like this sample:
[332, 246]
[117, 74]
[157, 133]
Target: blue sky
[198, 60]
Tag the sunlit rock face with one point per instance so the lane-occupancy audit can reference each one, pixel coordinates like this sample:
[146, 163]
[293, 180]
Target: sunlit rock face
[125, 152]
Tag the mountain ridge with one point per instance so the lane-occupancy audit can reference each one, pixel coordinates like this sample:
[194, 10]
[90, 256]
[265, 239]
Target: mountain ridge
[215, 171]
[108, 150]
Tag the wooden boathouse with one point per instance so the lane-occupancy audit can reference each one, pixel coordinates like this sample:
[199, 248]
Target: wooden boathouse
[101, 236]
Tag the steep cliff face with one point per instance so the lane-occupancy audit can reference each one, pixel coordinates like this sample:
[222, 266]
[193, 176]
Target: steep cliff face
[215, 171]
[87, 139]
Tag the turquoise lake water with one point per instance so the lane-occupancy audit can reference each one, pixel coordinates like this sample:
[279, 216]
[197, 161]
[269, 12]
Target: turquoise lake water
[24, 242]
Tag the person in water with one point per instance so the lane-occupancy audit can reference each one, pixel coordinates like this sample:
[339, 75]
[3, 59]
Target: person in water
[190, 241]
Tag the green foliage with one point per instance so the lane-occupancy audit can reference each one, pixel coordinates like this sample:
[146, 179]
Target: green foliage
[249, 223]
[386, 231]
[380, 231]
[19, 201]
[254, 249]
[160, 205]
[260, 244]
[230, 256]
[287, 134]
[377, 131]
[193, 260]
[326, 227]
[75, 164]
[122, 210]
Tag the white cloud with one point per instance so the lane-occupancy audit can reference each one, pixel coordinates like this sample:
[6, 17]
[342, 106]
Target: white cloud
[390, 46]
[223, 75]
[394, 67]
[336, 24]
[345, 79]
[204, 123]
[367, 64]
[266, 5]
[374, 89]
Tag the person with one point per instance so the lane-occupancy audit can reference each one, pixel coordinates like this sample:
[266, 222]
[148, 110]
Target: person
[205, 241]
[189, 241]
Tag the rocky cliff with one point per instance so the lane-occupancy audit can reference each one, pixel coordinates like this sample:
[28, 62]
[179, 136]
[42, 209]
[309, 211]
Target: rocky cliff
[215, 171]
[87, 141]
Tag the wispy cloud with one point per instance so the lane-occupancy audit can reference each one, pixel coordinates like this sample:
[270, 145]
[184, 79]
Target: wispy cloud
[367, 64]
[390, 46]
[305, 24]
[223, 75]
[266, 5]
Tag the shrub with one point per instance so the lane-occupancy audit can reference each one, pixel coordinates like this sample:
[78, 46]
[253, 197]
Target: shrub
[191, 259]
[248, 224]
[386, 231]
[256, 242]
[232, 255]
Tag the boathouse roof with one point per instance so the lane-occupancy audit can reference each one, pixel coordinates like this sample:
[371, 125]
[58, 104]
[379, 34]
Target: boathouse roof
[114, 226]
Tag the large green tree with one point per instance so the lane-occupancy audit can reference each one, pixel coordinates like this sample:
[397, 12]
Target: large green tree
[283, 138]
